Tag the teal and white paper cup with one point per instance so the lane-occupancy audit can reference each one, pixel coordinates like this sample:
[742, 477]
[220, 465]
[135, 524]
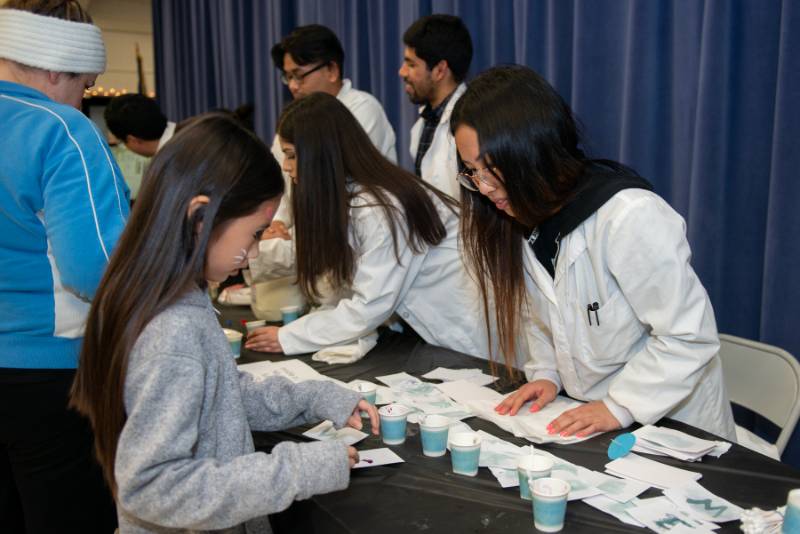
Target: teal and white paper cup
[235, 341]
[290, 313]
[434, 430]
[393, 423]
[791, 519]
[549, 503]
[532, 467]
[465, 451]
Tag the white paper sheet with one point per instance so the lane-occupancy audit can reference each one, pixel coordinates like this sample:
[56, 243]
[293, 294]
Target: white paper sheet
[702, 503]
[376, 457]
[661, 515]
[651, 472]
[295, 370]
[615, 508]
[582, 481]
[384, 396]
[422, 397]
[462, 391]
[474, 376]
[619, 489]
[496, 452]
[507, 478]
[325, 431]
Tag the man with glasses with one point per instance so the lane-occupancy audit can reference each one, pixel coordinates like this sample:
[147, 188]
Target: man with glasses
[310, 60]
[437, 55]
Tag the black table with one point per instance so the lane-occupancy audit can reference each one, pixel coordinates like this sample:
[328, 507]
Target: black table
[423, 495]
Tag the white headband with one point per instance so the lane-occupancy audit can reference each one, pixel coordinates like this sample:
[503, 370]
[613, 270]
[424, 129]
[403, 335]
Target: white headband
[50, 43]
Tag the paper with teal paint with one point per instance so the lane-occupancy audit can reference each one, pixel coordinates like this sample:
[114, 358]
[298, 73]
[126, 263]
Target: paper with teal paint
[703, 503]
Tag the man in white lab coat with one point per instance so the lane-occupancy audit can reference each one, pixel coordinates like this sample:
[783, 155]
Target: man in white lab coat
[437, 55]
[311, 59]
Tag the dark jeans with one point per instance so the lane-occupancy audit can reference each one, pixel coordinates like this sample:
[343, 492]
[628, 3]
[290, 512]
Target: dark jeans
[49, 479]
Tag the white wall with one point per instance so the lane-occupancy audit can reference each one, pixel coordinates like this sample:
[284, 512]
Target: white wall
[124, 23]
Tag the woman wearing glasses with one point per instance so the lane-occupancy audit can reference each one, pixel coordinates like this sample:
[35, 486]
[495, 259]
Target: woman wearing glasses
[380, 237]
[586, 263]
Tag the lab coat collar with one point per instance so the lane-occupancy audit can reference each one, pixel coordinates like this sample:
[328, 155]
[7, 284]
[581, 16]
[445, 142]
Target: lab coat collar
[347, 86]
[448, 110]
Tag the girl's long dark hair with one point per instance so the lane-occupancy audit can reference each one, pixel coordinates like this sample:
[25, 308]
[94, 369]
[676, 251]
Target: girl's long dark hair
[528, 133]
[333, 150]
[161, 255]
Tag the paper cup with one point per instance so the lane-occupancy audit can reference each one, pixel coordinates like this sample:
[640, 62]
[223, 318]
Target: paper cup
[465, 451]
[252, 325]
[532, 467]
[434, 430]
[235, 341]
[393, 423]
[290, 313]
[791, 519]
[549, 503]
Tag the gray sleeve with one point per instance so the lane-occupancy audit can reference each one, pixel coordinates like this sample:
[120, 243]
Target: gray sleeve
[160, 481]
[277, 403]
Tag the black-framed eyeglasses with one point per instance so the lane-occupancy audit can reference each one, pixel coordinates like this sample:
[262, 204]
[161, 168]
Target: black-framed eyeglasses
[472, 178]
[298, 77]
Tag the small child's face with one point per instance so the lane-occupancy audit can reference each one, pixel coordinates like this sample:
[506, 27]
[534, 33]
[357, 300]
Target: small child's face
[233, 243]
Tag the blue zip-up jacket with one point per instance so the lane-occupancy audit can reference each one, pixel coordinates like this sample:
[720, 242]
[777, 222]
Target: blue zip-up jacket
[63, 205]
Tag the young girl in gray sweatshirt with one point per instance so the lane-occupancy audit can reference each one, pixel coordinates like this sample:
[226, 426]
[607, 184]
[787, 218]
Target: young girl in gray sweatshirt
[172, 415]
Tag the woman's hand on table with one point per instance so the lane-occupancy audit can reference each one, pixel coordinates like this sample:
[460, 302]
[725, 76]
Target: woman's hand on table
[355, 418]
[352, 456]
[264, 339]
[542, 391]
[585, 420]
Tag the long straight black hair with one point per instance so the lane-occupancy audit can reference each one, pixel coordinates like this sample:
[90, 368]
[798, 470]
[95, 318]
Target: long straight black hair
[161, 255]
[332, 150]
[529, 135]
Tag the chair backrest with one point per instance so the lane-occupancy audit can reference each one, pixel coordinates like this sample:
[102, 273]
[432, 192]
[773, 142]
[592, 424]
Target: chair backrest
[764, 379]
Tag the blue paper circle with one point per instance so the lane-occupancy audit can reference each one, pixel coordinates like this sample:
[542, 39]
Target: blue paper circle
[621, 445]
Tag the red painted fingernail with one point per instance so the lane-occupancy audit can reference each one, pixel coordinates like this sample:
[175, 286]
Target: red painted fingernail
[535, 408]
[564, 434]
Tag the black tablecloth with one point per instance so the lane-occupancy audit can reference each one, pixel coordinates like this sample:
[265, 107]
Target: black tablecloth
[423, 495]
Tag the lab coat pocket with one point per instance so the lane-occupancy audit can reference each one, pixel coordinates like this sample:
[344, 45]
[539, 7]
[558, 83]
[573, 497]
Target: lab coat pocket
[611, 330]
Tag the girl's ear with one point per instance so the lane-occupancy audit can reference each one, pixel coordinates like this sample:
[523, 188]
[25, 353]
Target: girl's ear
[197, 202]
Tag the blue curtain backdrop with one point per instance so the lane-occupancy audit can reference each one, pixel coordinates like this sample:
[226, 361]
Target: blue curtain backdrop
[702, 98]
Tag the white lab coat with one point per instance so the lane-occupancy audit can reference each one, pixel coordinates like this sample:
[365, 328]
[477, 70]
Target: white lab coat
[440, 164]
[370, 115]
[430, 290]
[655, 351]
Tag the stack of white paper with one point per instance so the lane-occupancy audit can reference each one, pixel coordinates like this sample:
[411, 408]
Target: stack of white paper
[687, 508]
[668, 442]
[526, 424]
[650, 472]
